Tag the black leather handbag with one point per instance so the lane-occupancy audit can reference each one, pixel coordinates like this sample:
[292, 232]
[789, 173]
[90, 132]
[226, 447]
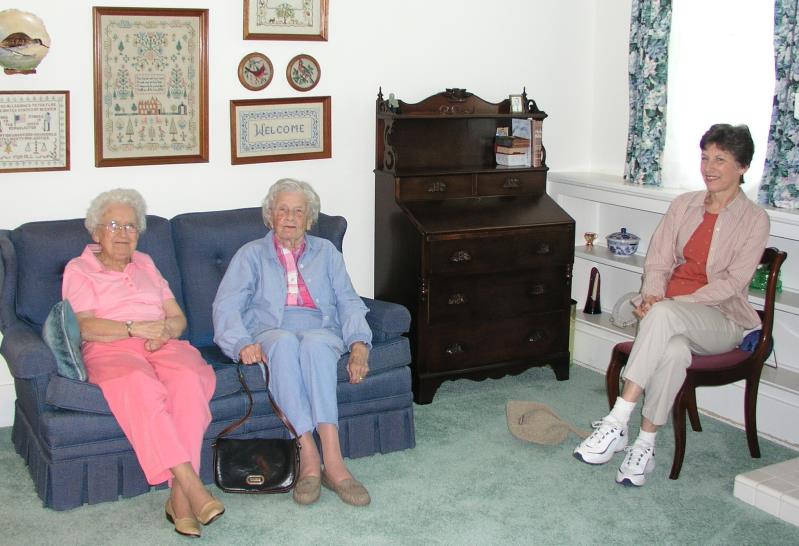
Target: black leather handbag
[256, 465]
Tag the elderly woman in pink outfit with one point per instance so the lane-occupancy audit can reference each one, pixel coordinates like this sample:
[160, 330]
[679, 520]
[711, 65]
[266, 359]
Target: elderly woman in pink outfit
[157, 386]
[693, 298]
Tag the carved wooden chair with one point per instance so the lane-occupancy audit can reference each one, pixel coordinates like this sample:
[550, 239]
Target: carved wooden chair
[714, 370]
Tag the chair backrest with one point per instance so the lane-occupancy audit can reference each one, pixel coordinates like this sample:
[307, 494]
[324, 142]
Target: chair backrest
[772, 260]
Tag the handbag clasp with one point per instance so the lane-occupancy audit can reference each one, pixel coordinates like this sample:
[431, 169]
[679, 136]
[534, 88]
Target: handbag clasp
[255, 479]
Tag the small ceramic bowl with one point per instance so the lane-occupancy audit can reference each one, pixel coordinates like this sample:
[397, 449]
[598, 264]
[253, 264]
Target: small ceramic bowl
[622, 243]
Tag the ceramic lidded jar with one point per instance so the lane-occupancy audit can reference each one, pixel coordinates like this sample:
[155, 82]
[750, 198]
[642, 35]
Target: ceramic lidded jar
[622, 243]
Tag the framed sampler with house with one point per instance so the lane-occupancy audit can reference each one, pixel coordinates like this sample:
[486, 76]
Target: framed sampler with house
[150, 86]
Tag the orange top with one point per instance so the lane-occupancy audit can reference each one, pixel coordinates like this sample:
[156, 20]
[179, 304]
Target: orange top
[690, 276]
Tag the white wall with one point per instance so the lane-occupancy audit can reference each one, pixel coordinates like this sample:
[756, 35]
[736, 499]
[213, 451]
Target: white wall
[571, 56]
[610, 93]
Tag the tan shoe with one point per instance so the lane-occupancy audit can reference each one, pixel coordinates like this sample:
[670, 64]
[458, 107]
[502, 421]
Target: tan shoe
[211, 511]
[189, 526]
[307, 490]
[348, 490]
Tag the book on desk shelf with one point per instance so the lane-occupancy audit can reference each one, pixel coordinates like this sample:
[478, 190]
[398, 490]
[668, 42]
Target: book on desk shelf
[513, 160]
[511, 142]
[538, 142]
[515, 150]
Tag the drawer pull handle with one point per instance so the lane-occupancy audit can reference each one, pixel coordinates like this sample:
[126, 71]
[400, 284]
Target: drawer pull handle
[543, 248]
[437, 187]
[460, 256]
[511, 184]
[538, 289]
[536, 336]
[454, 349]
[456, 299]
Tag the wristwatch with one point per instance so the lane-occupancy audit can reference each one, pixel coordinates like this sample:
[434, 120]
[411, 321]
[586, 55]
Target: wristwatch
[129, 325]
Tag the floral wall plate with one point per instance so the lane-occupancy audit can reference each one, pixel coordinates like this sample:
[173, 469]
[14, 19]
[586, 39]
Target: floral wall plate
[303, 72]
[255, 71]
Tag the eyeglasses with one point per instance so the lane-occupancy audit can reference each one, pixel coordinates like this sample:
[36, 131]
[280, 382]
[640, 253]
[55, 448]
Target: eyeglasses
[113, 226]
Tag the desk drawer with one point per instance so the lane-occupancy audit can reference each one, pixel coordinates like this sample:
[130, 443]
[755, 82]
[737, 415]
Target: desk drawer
[496, 296]
[512, 183]
[458, 347]
[433, 188]
[503, 251]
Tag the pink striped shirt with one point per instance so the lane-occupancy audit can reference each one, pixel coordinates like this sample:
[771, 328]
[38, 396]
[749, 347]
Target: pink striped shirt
[297, 293]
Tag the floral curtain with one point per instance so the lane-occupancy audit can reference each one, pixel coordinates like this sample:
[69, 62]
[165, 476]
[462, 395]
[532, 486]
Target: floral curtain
[650, 24]
[781, 173]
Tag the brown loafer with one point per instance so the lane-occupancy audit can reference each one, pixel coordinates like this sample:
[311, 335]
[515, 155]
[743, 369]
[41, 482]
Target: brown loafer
[189, 526]
[211, 511]
[307, 490]
[349, 490]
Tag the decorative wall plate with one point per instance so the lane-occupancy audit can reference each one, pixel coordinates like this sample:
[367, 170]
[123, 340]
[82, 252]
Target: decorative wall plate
[303, 72]
[23, 41]
[255, 71]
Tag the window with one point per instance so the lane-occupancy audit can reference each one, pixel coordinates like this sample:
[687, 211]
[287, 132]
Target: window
[721, 70]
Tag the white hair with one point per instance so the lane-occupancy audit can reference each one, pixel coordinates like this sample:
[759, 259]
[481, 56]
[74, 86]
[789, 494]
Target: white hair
[119, 196]
[291, 185]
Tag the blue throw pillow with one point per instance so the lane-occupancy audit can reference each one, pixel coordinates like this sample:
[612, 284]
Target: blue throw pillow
[61, 333]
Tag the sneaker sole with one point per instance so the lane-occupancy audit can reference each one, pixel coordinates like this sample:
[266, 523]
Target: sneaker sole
[601, 458]
[634, 481]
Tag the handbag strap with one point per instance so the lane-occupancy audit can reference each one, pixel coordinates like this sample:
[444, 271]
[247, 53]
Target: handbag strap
[275, 407]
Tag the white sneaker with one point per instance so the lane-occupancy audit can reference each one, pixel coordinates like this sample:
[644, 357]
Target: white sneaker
[639, 461]
[607, 439]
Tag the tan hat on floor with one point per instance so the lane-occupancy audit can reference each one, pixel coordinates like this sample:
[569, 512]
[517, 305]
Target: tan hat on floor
[537, 423]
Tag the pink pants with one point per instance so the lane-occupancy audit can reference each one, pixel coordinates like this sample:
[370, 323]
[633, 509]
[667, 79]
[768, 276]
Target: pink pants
[160, 399]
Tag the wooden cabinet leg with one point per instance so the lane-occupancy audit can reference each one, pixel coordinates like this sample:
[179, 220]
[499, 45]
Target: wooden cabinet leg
[561, 368]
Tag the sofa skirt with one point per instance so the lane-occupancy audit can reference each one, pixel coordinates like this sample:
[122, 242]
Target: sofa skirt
[380, 423]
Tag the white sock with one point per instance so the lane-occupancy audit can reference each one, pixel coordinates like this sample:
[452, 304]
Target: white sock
[647, 439]
[621, 411]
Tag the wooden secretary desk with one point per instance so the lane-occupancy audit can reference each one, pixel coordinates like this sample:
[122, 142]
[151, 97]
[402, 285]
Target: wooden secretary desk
[480, 254]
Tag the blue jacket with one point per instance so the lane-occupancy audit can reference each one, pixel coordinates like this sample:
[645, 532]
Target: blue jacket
[252, 295]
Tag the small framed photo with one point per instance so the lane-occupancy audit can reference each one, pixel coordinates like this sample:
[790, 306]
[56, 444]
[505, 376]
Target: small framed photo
[285, 20]
[34, 131]
[150, 86]
[516, 104]
[264, 130]
[255, 71]
[303, 72]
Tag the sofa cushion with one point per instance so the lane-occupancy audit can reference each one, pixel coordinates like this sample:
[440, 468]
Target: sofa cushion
[70, 394]
[61, 332]
[44, 248]
[205, 242]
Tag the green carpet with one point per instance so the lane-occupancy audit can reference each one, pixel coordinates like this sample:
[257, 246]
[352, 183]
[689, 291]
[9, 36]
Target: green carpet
[468, 481]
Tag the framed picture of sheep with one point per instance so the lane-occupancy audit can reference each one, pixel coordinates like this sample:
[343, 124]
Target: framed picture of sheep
[150, 86]
[285, 20]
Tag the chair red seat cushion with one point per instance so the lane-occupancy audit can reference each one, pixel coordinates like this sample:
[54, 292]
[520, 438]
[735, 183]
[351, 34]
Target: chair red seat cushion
[702, 362]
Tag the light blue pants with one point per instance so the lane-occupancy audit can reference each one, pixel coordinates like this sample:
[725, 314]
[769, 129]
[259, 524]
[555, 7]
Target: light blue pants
[302, 359]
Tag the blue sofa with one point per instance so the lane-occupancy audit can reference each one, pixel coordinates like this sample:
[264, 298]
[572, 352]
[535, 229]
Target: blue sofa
[75, 451]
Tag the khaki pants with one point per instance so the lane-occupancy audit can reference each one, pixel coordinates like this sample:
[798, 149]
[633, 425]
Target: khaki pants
[667, 335]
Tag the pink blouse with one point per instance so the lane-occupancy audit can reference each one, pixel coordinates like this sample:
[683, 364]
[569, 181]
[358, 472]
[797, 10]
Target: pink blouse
[137, 293]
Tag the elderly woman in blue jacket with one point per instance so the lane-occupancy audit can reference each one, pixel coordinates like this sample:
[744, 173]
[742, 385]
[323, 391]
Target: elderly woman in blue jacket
[287, 301]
